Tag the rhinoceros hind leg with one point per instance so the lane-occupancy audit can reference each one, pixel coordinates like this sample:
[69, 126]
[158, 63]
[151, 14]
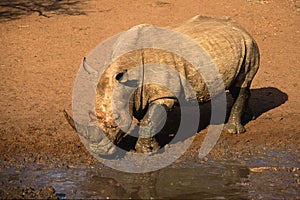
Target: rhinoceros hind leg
[241, 96]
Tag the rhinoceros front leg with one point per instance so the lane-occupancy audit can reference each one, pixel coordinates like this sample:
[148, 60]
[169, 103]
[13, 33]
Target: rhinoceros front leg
[241, 96]
[151, 124]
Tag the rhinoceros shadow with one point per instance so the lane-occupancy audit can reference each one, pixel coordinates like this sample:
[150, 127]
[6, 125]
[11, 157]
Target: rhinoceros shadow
[262, 100]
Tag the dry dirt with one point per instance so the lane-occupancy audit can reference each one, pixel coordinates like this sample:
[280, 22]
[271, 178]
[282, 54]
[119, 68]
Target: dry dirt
[42, 46]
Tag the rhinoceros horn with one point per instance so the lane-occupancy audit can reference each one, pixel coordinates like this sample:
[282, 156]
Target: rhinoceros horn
[80, 129]
[98, 143]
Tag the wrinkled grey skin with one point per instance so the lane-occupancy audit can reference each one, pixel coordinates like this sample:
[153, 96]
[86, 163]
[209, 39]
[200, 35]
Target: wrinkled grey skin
[232, 49]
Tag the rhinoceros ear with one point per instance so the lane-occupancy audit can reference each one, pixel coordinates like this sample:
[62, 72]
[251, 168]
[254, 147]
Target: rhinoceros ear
[89, 69]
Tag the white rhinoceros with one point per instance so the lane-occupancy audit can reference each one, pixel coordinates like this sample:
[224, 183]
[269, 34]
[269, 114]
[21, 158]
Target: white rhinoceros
[233, 51]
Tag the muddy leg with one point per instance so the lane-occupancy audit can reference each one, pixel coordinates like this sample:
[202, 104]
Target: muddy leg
[241, 96]
[149, 126]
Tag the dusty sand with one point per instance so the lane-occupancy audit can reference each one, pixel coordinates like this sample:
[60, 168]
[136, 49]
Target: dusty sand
[42, 48]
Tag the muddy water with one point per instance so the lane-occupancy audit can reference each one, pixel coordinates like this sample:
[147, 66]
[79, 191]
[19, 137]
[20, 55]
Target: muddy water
[275, 175]
[199, 182]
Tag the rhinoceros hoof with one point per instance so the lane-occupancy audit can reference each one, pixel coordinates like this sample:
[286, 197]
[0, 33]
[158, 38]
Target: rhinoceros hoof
[234, 128]
[146, 145]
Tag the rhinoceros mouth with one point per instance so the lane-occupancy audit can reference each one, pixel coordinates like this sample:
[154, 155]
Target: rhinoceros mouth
[94, 138]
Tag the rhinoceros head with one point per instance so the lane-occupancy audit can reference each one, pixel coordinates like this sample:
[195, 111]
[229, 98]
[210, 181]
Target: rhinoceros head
[123, 97]
[116, 91]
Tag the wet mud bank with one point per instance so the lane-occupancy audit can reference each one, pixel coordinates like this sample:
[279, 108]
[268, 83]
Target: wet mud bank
[242, 174]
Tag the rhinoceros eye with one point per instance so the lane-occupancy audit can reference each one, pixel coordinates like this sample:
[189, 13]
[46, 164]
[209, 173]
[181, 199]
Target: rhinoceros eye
[119, 76]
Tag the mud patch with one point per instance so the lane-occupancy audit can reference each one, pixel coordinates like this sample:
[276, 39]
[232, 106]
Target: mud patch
[207, 180]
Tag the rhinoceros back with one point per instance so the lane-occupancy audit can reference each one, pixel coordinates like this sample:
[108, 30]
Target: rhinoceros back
[226, 43]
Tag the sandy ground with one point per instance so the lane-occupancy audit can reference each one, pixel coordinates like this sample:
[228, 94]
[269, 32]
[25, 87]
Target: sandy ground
[42, 46]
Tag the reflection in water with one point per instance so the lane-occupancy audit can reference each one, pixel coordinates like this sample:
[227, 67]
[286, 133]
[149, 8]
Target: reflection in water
[201, 181]
[212, 180]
